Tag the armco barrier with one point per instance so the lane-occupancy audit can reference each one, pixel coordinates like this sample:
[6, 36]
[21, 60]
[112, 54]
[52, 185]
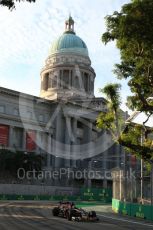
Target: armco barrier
[141, 211]
[94, 194]
[100, 199]
[125, 208]
[45, 197]
[134, 210]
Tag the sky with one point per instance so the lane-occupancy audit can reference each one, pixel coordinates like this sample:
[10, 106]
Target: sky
[27, 33]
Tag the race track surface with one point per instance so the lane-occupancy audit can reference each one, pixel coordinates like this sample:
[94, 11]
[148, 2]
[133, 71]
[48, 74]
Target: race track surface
[38, 216]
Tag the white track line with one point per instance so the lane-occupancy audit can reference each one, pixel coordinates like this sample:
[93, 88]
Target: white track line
[124, 220]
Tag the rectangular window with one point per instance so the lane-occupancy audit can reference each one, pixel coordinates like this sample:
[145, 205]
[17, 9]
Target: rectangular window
[2, 109]
[31, 140]
[16, 112]
[4, 135]
[41, 118]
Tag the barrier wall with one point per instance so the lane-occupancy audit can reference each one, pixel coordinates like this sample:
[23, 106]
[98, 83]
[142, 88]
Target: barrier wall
[134, 210]
[94, 195]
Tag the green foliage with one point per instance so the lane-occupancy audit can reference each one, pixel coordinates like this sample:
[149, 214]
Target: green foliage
[112, 120]
[105, 121]
[132, 140]
[12, 161]
[11, 3]
[112, 93]
[131, 28]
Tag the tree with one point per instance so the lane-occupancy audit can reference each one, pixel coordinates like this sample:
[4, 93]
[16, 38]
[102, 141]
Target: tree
[10, 162]
[131, 28]
[112, 119]
[11, 3]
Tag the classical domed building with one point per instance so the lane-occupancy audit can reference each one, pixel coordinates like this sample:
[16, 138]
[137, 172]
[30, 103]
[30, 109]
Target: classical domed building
[68, 72]
[61, 123]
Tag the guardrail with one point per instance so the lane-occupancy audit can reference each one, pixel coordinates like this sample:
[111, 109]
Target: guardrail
[93, 195]
[133, 210]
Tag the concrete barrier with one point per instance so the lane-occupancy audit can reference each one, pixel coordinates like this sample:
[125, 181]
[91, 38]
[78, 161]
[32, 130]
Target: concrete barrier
[134, 210]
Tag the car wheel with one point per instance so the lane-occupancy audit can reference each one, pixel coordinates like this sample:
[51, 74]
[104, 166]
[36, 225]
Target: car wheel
[69, 215]
[55, 211]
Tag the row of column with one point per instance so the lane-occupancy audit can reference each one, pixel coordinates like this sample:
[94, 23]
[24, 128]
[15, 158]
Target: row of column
[69, 140]
[65, 140]
[44, 144]
[65, 79]
[11, 140]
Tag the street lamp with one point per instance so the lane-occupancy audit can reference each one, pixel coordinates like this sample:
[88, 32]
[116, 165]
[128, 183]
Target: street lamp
[141, 170]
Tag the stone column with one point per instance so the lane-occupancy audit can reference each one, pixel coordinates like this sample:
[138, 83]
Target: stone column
[24, 140]
[61, 79]
[68, 140]
[42, 83]
[37, 141]
[58, 79]
[88, 137]
[89, 146]
[90, 84]
[48, 150]
[50, 80]
[10, 141]
[74, 145]
[58, 139]
[71, 79]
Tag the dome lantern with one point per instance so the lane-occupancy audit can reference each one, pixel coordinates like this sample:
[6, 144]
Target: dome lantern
[69, 25]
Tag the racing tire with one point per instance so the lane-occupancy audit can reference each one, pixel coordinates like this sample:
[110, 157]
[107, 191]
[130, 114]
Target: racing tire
[69, 215]
[55, 211]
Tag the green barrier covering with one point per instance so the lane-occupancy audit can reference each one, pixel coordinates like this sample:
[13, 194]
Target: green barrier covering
[125, 208]
[93, 194]
[41, 197]
[141, 211]
[3, 197]
[134, 210]
[115, 205]
[86, 204]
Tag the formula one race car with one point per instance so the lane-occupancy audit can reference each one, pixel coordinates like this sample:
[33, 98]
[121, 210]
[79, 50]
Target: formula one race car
[70, 212]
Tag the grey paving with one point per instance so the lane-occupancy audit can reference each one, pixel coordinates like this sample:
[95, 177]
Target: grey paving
[38, 215]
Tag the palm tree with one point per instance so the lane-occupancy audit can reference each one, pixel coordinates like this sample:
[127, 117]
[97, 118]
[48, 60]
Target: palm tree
[112, 117]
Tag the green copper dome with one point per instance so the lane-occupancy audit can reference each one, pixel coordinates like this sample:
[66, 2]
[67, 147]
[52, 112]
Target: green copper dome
[69, 42]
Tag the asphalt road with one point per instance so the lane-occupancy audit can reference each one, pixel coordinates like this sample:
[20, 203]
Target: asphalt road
[38, 215]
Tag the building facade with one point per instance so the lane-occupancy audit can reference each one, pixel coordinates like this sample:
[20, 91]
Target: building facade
[61, 123]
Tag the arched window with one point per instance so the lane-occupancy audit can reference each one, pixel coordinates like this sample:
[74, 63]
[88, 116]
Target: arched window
[66, 79]
[85, 82]
[91, 84]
